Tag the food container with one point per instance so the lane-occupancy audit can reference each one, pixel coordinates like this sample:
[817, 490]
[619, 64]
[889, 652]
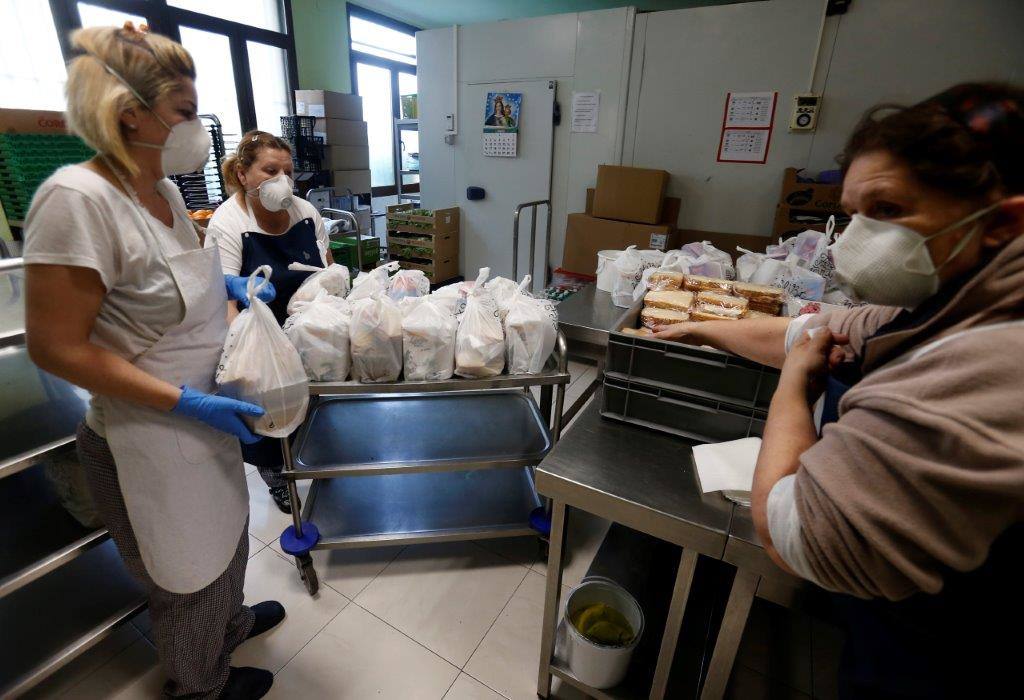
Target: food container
[600, 665]
[606, 270]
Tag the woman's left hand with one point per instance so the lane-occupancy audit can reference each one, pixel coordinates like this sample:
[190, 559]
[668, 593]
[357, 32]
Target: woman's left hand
[238, 290]
[811, 357]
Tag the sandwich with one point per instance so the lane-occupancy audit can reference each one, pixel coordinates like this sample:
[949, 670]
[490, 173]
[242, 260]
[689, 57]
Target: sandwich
[642, 332]
[701, 315]
[652, 317]
[665, 280]
[697, 283]
[719, 299]
[675, 300]
[751, 313]
[758, 293]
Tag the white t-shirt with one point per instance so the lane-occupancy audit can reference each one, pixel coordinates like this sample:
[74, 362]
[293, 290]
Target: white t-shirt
[79, 218]
[231, 220]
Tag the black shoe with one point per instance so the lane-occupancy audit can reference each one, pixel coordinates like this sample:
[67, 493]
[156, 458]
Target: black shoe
[280, 496]
[246, 683]
[268, 614]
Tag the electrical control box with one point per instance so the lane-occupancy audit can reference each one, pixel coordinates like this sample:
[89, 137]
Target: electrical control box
[805, 112]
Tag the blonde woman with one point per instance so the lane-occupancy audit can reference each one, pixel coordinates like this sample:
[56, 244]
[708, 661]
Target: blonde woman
[123, 301]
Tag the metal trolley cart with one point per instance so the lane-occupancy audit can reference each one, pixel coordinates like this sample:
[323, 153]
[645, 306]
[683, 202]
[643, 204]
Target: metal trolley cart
[430, 461]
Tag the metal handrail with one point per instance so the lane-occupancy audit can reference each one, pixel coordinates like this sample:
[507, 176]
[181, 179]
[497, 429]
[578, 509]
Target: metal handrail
[533, 240]
[355, 227]
[7, 264]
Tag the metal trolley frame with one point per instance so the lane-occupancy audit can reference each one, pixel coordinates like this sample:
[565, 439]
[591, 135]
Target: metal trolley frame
[303, 535]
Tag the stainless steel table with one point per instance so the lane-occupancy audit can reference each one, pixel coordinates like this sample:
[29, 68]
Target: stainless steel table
[644, 480]
[585, 319]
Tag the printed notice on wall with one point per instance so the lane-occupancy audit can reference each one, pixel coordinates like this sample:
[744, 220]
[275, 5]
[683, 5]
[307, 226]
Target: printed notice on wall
[749, 110]
[744, 146]
[585, 109]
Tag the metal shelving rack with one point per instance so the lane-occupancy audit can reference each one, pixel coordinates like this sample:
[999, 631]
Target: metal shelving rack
[401, 172]
[63, 587]
[421, 498]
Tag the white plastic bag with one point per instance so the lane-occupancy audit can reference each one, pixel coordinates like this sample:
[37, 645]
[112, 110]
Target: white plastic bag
[375, 332]
[629, 270]
[428, 340]
[708, 261]
[372, 284]
[480, 341]
[260, 365]
[795, 280]
[319, 331]
[747, 264]
[503, 290]
[408, 283]
[333, 279]
[531, 328]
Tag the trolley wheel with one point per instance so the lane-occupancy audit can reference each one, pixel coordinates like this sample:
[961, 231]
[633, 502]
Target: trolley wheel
[307, 573]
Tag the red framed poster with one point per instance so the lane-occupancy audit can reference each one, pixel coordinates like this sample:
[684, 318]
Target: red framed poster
[747, 125]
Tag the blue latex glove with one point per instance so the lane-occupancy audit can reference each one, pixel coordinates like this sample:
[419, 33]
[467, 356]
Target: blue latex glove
[236, 287]
[219, 412]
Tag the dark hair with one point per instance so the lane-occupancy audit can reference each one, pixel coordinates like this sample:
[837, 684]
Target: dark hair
[249, 148]
[967, 141]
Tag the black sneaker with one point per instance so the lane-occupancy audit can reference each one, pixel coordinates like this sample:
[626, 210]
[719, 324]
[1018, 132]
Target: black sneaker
[268, 614]
[246, 683]
[280, 496]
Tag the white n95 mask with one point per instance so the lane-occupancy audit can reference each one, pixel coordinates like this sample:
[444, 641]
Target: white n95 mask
[275, 193]
[881, 262]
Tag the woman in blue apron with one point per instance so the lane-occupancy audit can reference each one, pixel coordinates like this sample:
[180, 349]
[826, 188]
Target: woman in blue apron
[264, 223]
[905, 498]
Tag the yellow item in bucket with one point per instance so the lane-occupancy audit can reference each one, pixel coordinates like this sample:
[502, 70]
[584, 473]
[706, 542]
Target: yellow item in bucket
[603, 624]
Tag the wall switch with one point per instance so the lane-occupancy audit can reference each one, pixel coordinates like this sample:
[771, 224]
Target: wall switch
[449, 122]
[805, 112]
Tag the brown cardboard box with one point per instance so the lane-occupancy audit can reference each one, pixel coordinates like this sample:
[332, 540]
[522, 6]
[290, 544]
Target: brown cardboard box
[790, 221]
[585, 235]
[332, 105]
[807, 195]
[32, 121]
[346, 157]
[341, 132]
[356, 180]
[629, 194]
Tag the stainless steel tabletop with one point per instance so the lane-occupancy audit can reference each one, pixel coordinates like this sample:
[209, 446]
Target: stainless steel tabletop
[640, 478]
[12, 307]
[38, 412]
[588, 315]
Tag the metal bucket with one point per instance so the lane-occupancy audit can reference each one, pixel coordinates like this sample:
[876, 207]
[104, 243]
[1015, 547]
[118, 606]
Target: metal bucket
[600, 665]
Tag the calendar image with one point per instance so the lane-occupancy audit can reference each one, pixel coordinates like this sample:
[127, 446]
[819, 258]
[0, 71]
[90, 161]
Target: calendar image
[501, 112]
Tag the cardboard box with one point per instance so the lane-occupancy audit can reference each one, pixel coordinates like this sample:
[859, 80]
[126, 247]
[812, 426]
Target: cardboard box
[807, 195]
[440, 220]
[332, 105]
[32, 121]
[346, 157]
[341, 132]
[629, 194]
[356, 180]
[790, 221]
[585, 235]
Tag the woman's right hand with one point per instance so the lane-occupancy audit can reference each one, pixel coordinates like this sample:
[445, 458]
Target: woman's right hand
[677, 331]
[219, 412]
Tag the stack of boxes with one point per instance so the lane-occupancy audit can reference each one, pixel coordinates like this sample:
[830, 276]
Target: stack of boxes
[628, 207]
[426, 240]
[339, 122]
[807, 205]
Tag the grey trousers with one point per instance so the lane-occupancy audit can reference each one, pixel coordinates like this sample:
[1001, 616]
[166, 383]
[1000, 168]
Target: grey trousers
[194, 633]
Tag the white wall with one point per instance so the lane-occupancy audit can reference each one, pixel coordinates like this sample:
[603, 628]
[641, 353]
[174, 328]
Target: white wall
[685, 61]
[581, 51]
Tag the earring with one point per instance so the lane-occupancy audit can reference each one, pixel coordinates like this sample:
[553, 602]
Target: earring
[132, 127]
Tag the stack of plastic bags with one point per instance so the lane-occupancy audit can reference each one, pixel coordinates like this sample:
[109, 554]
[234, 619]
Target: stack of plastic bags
[697, 258]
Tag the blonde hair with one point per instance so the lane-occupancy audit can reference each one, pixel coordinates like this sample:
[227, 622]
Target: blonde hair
[249, 149]
[152, 64]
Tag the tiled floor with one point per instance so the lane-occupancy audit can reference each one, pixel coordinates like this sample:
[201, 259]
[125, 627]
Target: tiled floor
[459, 621]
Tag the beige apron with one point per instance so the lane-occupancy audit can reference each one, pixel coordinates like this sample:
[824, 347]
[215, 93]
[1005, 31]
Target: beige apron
[183, 482]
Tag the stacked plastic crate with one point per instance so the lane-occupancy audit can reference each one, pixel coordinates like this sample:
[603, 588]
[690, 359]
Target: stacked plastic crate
[28, 159]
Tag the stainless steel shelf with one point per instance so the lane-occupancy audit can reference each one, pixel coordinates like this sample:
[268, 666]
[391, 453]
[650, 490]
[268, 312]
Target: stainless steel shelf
[36, 534]
[425, 507]
[39, 414]
[48, 624]
[550, 376]
[433, 432]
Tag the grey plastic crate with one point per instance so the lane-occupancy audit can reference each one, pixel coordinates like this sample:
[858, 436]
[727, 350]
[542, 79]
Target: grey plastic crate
[697, 371]
[685, 415]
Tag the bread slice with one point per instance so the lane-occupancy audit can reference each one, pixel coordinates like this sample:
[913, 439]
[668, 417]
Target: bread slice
[651, 317]
[717, 310]
[678, 301]
[719, 299]
[772, 308]
[642, 332]
[759, 293]
[665, 280]
[697, 283]
[699, 315]
[751, 313]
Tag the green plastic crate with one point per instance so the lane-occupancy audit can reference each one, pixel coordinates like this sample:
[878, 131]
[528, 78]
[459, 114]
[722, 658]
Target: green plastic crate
[28, 159]
[344, 252]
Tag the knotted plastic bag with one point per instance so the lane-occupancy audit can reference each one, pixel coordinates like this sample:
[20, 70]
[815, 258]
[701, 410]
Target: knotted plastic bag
[629, 269]
[531, 328]
[708, 261]
[795, 280]
[373, 283]
[260, 365]
[408, 283]
[334, 279]
[503, 289]
[428, 340]
[480, 341]
[376, 339]
[319, 331]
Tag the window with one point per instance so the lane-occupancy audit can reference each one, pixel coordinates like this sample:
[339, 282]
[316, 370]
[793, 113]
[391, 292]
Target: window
[270, 93]
[32, 72]
[265, 14]
[96, 16]
[215, 79]
[383, 56]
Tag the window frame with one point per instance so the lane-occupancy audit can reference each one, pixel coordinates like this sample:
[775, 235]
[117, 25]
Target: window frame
[167, 20]
[396, 67]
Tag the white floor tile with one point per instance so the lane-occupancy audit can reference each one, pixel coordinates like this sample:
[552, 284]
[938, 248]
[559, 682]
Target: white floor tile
[522, 550]
[134, 674]
[75, 672]
[254, 546]
[266, 522]
[507, 659]
[445, 596]
[347, 571]
[249, 469]
[469, 688]
[586, 532]
[269, 577]
[357, 656]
